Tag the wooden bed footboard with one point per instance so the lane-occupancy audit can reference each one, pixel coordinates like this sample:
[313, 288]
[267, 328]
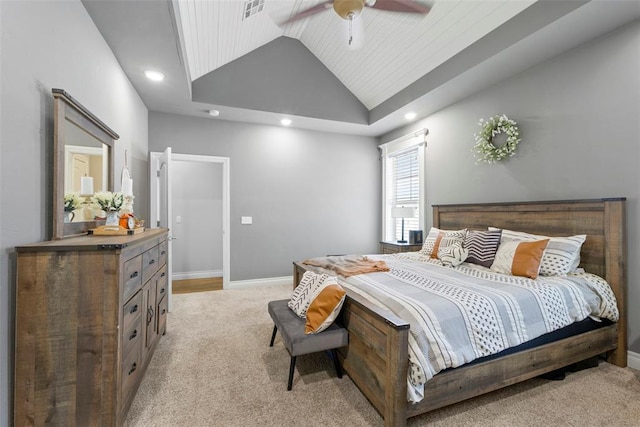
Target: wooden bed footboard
[376, 359]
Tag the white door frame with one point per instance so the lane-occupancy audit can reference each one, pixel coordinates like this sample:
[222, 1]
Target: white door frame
[226, 205]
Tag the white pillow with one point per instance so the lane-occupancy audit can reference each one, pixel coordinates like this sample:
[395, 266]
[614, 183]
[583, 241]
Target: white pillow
[562, 255]
[453, 255]
[437, 239]
[302, 294]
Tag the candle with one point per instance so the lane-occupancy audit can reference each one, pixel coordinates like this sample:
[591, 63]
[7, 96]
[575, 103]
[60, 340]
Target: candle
[86, 185]
[127, 186]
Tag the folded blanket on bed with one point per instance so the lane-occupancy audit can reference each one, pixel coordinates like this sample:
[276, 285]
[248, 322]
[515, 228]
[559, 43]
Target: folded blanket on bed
[348, 265]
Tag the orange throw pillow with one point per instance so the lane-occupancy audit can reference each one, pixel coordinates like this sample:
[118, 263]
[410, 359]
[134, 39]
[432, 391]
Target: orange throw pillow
[324, 307]
[527, 258]
[520, 258]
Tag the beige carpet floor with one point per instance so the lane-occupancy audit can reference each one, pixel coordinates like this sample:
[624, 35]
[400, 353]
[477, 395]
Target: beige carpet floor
[214, 367]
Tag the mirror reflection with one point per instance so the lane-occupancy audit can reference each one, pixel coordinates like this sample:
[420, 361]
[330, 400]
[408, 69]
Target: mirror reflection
[86, 168]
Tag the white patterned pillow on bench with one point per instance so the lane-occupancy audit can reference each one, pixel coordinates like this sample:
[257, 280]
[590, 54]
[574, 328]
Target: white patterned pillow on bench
[301, 296]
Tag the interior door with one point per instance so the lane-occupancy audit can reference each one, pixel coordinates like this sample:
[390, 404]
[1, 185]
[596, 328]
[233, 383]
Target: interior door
[160, 204]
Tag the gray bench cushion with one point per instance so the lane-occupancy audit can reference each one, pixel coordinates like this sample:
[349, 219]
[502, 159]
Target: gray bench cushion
[291, 329]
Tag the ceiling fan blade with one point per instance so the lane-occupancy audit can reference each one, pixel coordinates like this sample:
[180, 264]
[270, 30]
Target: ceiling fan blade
[308, 12]
[404, 6]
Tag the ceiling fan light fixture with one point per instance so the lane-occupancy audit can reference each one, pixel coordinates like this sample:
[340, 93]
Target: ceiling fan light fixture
[348, 9]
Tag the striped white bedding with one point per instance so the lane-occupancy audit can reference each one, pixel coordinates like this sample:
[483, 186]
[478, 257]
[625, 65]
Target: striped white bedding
[467, 312]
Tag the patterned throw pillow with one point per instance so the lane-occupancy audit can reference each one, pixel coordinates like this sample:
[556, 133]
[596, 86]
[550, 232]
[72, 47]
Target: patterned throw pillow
[562, 255]
[325, 306]
[520, 258]
[301, 296]
[453, 255]
[440, 238]
[482, 246]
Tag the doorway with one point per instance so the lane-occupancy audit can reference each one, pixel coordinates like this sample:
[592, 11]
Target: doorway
[192, 176]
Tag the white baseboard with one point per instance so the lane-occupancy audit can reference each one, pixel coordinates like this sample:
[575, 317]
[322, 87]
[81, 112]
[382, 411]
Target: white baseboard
[196, 275]
[633, 360]
[271, 281]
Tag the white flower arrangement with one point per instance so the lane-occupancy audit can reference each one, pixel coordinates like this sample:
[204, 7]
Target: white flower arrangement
[108, 201]
[486, 151]
[72, 201]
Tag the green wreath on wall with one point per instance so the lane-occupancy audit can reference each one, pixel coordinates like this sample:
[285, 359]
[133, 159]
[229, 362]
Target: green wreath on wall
[486, 151]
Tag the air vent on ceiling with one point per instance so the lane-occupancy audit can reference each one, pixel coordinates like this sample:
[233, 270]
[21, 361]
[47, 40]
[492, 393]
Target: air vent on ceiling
[252, 7]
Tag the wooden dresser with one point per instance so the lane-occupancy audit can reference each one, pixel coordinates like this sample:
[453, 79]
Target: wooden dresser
[90, 311]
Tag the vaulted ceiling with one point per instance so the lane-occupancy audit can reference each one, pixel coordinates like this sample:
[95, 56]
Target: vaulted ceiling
[232, 56]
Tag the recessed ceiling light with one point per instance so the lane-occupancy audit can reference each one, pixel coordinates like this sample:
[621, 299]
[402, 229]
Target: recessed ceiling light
[410, 116]
[156, 76]
[214, 113]
[285, 122]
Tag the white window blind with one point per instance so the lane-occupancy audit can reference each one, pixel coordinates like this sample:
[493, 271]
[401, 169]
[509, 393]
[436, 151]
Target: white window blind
[405, 185]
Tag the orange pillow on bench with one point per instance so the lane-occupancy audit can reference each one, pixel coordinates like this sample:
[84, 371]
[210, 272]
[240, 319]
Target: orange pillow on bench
[325, 307]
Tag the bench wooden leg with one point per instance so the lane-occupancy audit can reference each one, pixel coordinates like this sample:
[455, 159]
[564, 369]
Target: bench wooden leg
[273, 336]
[291, 369]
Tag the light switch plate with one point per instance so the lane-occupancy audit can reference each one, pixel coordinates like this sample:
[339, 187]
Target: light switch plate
[246, 220]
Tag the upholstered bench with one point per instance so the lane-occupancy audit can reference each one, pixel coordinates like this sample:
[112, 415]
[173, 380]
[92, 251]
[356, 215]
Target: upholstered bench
[292, 328]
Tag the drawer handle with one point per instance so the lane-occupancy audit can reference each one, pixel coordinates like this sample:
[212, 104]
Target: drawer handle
[133, 275]
[133, 368]
[133, 334]
[162, 290]
[150, 314]
[163, 252]
[133, 309]
[164, 310]
[153, 261]
[163, 274]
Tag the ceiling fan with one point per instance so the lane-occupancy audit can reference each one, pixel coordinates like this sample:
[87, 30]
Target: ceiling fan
[350, 9]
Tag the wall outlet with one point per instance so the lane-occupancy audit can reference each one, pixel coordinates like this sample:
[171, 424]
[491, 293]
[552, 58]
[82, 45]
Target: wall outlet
[247, 220]
[178, 219]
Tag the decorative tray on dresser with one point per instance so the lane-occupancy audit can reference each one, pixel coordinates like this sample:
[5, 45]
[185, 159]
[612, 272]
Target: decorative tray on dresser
[90, 311]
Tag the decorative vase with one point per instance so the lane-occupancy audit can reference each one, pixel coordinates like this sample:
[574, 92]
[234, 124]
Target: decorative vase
[68, 216]
[113, 222]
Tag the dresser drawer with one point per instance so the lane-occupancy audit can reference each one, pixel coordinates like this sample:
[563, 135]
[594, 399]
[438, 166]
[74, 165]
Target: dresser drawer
[131, 338]
[163, 311]
[131, 367]
[162, 253]
[131, 311]
[132, 276]
[161, 289]
[150, 263]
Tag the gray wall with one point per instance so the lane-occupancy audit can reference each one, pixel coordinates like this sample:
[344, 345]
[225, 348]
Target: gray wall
[309, 193]
[47, 44]
[197, 199]
[579, 117]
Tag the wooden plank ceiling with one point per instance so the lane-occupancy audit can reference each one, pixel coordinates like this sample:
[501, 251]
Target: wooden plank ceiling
[389, 50]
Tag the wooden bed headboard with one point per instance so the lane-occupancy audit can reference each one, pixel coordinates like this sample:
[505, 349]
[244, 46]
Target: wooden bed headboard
[602, 220]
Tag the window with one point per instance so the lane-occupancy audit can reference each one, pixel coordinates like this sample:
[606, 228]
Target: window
[403, 184]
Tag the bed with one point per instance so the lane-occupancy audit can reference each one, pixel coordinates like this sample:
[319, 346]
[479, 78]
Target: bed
[376, 358]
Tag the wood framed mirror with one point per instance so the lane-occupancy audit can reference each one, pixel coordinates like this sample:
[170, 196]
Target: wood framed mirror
[83, 163]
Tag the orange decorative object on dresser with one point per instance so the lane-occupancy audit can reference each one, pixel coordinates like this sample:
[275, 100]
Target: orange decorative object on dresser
[124, 220]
